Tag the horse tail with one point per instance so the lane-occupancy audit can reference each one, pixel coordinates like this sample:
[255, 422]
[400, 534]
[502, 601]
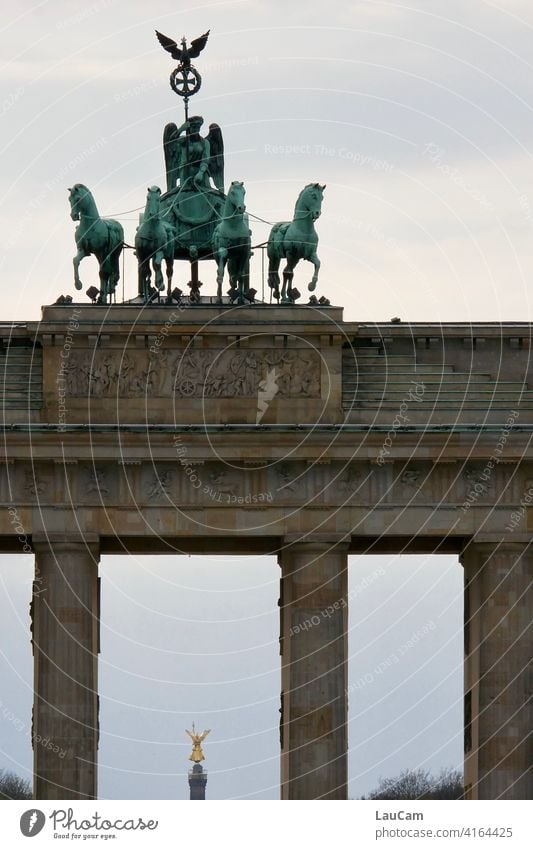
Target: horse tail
[275, 253]
[275, 241]
[115, 240]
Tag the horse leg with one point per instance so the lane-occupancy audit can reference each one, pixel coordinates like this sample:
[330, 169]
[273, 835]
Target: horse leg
[104, 285]
[140, 276]
[273, 275]
[170, 272]
[147, 282]
[145, 279]
[242, 286]
[244, 271]
[287, 286]
[235, 292]
[111, 283]
[76, 262]
[244, 274]
[288, 274]
[275, 252]
[156, 261]
[114, 270]
[316, 262]
[222, 254]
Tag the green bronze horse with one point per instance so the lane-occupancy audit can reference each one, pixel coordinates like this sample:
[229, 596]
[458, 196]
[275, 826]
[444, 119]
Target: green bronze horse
[154, 241]
[102, 237]
[295, 240]
[232, 245]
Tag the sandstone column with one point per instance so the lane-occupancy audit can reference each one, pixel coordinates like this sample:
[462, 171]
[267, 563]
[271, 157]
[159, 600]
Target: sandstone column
[498, 652]
[65, 631]
[313, 647]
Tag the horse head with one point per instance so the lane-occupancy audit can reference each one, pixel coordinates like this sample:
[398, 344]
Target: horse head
[310, 201]
[152, 207]
[235, 196]
[78, 196]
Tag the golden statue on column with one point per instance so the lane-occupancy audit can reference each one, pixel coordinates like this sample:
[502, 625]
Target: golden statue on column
[197, 739]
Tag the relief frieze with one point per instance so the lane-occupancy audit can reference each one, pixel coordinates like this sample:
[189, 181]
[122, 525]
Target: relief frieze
[228, 373]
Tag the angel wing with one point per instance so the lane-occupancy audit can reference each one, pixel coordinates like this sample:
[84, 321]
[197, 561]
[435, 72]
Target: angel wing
[170, 45]
[190, 734]
[170, 148]
[216, 156]
[198, 44]
[204, 735]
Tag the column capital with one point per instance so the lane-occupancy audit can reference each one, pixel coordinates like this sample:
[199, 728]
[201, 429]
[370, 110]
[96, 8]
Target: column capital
[318, 542]
[485, 547]
[66, 543]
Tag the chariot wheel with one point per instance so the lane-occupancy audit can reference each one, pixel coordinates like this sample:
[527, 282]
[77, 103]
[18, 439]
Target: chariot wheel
[186, 387]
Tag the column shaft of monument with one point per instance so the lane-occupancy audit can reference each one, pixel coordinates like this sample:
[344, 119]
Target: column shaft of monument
[498, 652]
[313, 646]
[65, 631]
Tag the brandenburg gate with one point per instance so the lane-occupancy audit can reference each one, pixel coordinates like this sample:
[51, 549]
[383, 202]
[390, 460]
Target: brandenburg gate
[220, 424]
[267, 429]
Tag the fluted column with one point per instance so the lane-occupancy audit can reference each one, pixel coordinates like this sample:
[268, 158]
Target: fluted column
[65, 631]
[498, 652]
[313, 646]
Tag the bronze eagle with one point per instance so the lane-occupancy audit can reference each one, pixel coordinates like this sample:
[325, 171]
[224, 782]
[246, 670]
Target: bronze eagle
[183, 54]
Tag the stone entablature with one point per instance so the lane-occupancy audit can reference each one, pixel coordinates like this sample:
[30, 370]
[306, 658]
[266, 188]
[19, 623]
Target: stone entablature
[129, 364]
[179, 496]
[341, 484]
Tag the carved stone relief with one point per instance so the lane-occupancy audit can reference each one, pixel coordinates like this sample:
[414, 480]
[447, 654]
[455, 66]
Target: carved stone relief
[34, 485]
[478, 480]
[414, 483]
[231, 373]
[160, 484]
[285, 478]
[222, 481]
[96, 481]
[138, 482]
[411, 478]
[350, 481]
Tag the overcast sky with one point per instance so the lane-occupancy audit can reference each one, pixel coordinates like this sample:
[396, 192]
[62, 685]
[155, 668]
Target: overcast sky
[418, 117]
